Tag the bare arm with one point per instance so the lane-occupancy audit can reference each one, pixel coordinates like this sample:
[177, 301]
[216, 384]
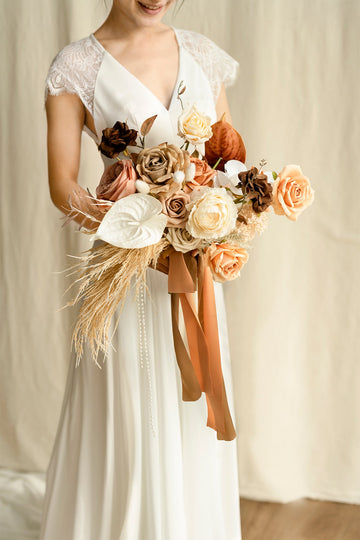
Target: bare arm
[65, 119]
[222, 106]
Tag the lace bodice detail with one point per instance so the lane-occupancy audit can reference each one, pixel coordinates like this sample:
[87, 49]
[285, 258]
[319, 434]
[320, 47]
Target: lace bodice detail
[74, 69]
[218, 66]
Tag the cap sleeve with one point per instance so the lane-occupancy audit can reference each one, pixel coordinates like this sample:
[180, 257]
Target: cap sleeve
[74, 70]
[58, 79]
[217, 64]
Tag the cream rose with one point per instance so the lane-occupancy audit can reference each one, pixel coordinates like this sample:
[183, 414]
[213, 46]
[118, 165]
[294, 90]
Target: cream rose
[194, 126]
[212, 213]
[292, 192]
[182, 240]
[225, 260]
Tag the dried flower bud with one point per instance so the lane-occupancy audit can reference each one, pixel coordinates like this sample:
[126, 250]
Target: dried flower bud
[257, 188]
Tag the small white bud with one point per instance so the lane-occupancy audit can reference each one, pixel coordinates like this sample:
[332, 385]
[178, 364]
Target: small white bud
[142, 187]
[190, 172]
[179, 177]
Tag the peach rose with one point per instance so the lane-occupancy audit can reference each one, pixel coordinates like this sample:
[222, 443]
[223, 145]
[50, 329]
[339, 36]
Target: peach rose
[204, 175]
[292, 192]
[117, 181]
[225, 260]
[194, 126]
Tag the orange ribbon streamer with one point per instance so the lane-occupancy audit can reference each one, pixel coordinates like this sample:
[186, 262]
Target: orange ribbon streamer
[201, 369]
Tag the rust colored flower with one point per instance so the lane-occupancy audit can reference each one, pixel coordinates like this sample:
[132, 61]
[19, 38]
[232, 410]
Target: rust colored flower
[117, 181]
[204, 175]
[115, 140]
[256, 186]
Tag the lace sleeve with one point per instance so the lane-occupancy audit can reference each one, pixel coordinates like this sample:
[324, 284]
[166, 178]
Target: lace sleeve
[74, 70]
[217, 64]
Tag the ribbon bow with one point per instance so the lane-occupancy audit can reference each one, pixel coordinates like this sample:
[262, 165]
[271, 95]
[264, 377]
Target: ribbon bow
[201, 369]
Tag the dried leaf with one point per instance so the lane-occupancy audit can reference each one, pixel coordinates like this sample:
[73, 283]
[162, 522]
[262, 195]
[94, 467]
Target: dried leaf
[182, 90]
[226, 143]
[147, 125]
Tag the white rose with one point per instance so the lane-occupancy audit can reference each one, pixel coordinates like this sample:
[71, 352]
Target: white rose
[194, 126]
[212, 213]
[182, 240]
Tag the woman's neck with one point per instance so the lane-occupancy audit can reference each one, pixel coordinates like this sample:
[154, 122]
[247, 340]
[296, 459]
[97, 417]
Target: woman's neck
[121, 25]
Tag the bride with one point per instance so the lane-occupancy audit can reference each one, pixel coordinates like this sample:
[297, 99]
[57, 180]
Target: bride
[131, 460]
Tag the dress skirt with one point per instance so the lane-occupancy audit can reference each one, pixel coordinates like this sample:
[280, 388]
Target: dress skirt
[131, 460]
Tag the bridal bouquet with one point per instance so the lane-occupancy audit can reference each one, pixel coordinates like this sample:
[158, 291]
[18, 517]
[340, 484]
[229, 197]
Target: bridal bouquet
[190, 212]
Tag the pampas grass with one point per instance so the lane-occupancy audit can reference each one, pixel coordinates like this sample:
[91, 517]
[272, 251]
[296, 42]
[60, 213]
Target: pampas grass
[105, 274]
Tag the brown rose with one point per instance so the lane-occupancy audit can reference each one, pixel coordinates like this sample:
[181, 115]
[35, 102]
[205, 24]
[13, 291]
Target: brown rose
[157, 165]
[225, 261]
[117, 181]
[204, 175]
[292, 192]
[115, 140]
[174, 207]
[256, 186]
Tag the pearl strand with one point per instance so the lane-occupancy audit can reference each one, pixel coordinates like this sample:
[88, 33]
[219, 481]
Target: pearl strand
[144, 352]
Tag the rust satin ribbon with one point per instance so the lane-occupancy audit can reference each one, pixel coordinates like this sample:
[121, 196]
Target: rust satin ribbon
[201, 369]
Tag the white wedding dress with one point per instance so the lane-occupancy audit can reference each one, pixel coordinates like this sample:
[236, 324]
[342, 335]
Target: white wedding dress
[132, 460]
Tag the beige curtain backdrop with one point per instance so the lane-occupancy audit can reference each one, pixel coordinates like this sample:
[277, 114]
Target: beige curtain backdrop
[294, 314]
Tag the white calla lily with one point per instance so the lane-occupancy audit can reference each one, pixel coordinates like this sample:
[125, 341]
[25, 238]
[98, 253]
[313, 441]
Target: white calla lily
[134, 221]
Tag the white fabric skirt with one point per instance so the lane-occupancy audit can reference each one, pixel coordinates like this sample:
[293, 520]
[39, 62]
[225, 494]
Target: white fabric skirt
[132, 460]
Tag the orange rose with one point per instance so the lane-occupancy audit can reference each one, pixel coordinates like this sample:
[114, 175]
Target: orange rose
[225, 260]
[292, 192]
[204, 175]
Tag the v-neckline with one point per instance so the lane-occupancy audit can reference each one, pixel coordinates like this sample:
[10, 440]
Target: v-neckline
[174, 93]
